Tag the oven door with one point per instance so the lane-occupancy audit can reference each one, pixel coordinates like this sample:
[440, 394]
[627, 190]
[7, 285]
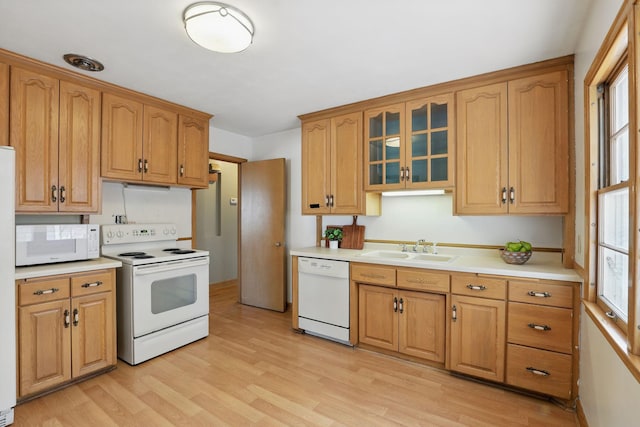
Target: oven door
[169, 293]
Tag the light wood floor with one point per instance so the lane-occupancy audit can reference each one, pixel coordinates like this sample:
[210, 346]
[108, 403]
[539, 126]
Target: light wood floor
[254, 370]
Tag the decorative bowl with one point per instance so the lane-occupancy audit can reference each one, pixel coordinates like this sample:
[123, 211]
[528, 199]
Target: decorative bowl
[514, 257]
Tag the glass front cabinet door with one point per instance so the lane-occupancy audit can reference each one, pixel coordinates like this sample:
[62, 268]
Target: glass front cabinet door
[410, 145]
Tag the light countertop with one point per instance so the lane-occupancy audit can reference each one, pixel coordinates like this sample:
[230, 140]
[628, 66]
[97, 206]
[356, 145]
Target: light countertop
[541, 265]
[65, 268]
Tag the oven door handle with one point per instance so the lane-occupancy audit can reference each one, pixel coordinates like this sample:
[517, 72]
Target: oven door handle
[169, 266]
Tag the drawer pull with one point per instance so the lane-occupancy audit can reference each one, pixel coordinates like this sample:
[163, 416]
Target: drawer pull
[539, 294]
[420, 281]
[92, 285]
[46, 291]
[539, 327]
[539, 372]
[476, 287]
[373, 276]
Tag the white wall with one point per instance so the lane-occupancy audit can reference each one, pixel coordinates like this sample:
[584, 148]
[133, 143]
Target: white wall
[609, 393]
[229, 143]
[146, 204]
[431, 218]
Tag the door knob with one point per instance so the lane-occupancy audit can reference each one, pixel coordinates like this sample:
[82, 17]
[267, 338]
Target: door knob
[278, 244]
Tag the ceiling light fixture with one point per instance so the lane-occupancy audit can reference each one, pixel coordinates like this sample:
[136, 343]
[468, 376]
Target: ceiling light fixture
[83, 62]
[218, 27]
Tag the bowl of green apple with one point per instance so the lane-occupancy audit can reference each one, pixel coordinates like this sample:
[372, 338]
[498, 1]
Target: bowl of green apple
[516, 252]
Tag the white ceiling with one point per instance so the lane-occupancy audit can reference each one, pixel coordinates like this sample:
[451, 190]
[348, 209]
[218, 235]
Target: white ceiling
[306, 55]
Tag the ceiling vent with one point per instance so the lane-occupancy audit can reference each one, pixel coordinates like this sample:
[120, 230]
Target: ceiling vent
[83, 62]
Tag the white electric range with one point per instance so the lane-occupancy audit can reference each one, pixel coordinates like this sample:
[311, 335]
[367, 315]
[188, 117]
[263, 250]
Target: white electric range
[162, 289]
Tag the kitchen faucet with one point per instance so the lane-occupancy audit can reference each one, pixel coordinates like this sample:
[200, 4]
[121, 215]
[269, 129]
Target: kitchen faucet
[417, 245]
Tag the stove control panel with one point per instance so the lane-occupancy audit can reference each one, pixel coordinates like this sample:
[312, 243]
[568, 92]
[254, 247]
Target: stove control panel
[133, 233]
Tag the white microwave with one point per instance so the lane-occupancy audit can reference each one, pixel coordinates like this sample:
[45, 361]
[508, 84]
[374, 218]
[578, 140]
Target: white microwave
[46, 244]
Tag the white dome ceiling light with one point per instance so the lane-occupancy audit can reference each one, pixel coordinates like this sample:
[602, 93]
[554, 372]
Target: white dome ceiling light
[218, 27]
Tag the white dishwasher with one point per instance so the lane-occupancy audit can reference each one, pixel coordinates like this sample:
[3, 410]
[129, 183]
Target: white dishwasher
[323, 298]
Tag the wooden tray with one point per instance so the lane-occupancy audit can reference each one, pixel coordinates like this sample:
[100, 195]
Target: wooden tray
[352, 235]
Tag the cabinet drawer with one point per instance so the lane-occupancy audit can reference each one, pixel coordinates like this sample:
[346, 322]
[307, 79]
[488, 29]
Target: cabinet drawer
[475, 286]
[100, 281]
[539, 370]
[37, 291]
[549, 328]
[371, 273]
[542, 293]
[423, 280]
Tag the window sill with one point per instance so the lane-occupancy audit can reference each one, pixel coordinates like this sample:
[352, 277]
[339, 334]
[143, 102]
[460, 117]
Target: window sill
[614, 336]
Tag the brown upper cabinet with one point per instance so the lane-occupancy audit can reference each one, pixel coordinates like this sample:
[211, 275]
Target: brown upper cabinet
[193, 151]
[145, 143]
[139, 142]
[55, 130]
[332, 168]
[513, 147]
[410, 145]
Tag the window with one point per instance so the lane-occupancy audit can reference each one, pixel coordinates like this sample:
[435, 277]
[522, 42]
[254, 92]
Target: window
[613, 196]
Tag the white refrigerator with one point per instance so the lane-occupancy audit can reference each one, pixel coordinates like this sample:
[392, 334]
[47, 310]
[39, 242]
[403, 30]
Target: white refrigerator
[7, 286]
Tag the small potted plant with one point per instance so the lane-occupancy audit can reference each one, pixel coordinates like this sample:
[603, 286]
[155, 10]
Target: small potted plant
[334, 235]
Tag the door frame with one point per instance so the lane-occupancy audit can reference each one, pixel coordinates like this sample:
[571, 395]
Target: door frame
[212, 156]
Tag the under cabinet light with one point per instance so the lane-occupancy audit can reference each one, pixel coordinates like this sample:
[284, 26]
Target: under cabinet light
[413, 193]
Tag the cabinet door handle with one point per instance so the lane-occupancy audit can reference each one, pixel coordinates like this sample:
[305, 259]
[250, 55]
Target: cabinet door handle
[331, 200]
[181, 170]
[326, 200]
[454, 313]
[476, 287]
[146, 166]
[92, 285]
[67, 320]
[401, 305]
[54, 189]
[512, 195]
[139, 165]
[395, 304]
[46, 291]
[401, 174]
[539, 372]
[504, 195]
[539, 327]
[407, 175]
[62, 191]
[76, 319]
[539, 294]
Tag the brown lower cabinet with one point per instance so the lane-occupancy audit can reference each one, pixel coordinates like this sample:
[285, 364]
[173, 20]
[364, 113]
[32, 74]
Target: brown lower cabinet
[478, 337]
[522, 332]
[408, 322]
[66, 328]
[541, 336]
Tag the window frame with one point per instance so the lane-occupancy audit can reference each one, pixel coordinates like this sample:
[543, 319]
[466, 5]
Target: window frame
[620, 40]
[606, 134]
